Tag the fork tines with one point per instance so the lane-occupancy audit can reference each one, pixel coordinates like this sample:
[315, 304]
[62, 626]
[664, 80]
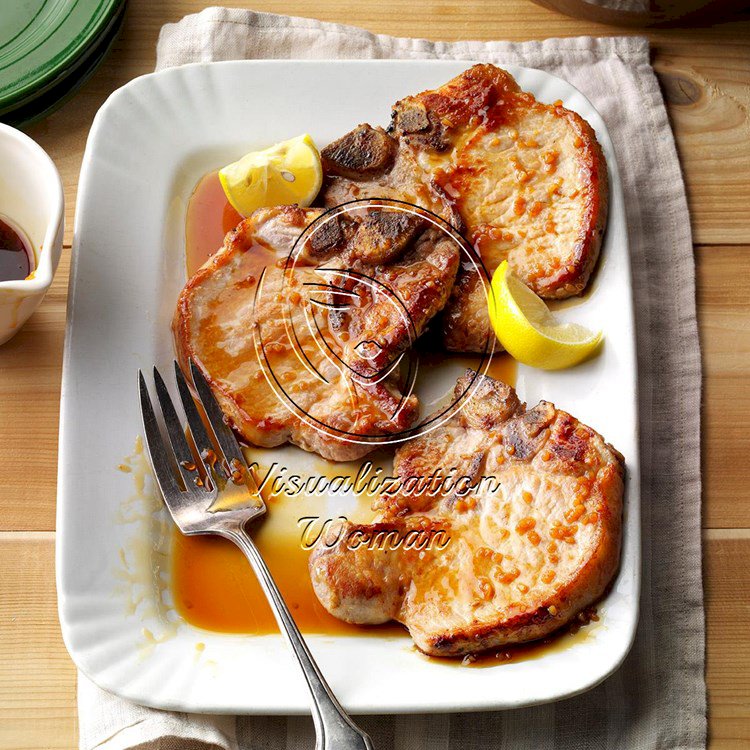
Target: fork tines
[198, 469]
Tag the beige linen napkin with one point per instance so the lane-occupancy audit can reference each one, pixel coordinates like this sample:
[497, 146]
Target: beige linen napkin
[657, 699]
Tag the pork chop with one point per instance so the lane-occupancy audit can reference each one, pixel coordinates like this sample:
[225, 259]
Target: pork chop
[387, 274]
[523, 180]
[288, 364]
[533, 531]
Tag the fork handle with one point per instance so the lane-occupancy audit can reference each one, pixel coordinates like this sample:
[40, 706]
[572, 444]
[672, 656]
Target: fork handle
[334, 729]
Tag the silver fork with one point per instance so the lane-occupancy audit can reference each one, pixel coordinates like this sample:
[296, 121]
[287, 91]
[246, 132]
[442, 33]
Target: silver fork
[220, 500]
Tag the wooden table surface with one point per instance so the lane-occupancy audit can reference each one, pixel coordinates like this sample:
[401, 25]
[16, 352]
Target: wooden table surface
[705, 73]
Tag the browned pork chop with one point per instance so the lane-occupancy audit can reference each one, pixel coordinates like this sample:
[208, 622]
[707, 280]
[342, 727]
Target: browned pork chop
[387, 274]
[533, 533]
[523, 180]
[299, 350]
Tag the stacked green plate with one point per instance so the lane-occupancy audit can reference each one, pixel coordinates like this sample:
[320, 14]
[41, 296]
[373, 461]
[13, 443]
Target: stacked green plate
[48, 48]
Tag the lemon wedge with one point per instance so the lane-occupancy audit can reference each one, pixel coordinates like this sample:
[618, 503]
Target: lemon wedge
[286, 173]
[528, 330]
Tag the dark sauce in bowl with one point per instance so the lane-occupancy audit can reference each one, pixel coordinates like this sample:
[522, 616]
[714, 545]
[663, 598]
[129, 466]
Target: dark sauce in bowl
[15, 253]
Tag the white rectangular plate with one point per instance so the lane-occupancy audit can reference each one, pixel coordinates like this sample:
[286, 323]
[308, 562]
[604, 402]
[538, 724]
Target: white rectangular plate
[150, 143]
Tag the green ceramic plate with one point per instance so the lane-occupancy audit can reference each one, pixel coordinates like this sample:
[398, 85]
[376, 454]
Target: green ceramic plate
[36, 108]
[41, 39]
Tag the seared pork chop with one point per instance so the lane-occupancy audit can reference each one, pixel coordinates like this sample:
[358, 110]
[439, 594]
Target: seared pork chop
[287, 358]
[523, 180]
[387, 274]
[533, 532]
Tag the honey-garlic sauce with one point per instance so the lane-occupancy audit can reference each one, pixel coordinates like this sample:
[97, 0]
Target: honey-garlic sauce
[501, 367]
[209, 217]
[16, 255]
[215, 588]
[563, 639]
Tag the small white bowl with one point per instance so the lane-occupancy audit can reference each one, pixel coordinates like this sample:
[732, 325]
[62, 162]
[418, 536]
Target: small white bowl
[31, 196]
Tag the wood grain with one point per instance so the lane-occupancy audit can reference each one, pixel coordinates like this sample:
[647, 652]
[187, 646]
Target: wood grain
[30, 372]
[37, 677]
[705, 76]
[723, 286]
[728, 652]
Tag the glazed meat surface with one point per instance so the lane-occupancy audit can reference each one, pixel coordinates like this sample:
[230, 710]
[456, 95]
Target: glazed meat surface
[522, 180]
[304, 348]
[386, 274]
[534, 540]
